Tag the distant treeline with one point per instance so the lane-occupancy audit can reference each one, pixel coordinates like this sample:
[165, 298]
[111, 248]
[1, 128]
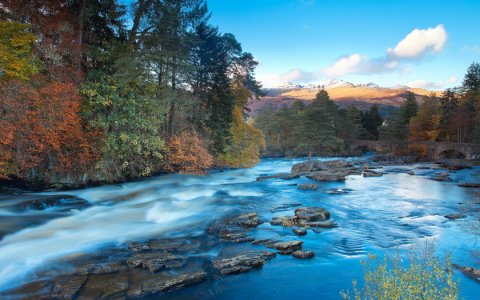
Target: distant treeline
[324, 128]
[95, 90]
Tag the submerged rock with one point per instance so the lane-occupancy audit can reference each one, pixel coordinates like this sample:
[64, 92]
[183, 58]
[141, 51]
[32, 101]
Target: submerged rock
[60, 201]
[242, 263]
[283, 207]
[470, 272]
[470, 185]
[284, 176]
[308, 187]
[303, 254]
[339, 191]
[455, 216]
[442, 177]
[319, 224]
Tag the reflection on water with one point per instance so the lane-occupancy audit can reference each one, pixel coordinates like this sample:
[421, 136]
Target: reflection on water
[379, 214]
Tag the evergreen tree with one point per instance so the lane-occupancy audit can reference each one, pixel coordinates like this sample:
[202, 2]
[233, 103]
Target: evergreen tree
[372, 120]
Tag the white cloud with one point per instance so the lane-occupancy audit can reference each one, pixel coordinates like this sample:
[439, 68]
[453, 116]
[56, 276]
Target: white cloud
[432, 85]
[345, 65]
[420, 42]
[416, 44]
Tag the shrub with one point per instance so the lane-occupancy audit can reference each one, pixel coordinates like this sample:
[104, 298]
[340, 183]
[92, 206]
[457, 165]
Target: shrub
[421, 276]
[187, 154]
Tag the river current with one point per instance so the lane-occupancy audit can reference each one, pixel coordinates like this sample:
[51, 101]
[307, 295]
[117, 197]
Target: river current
[378, 215]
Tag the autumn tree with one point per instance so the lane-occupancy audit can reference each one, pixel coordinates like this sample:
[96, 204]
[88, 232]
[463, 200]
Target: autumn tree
[16, 57]
[425, 125]
[186, 153]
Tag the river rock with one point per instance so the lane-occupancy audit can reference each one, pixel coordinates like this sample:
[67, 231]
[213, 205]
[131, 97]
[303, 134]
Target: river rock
[316, 165]
[442, 177]
[285, 221]
[164, 283]
[455, 216]
[470, 185]
[247, 220]
[68, 286]
[284, 176]
[242, 263]
[288, 247]
[265, 242]
[307, 187]
[300, 231]
[335, 176]
[470, 272]
[155, 262]
[303, 254]
[61, 201]
[455, 164]
[312, 214]
[339, 191]
[102, 286]
[370, 173]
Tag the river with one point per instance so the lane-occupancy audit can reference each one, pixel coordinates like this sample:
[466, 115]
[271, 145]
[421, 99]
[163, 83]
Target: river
[379, 215]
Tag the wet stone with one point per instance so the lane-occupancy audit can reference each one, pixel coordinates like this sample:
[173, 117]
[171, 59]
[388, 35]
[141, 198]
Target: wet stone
[105, 286]
[265, 242]
[303, 254]
[155, 262]
[247, 220]
[67, 286]
[320, 224]
[288, 247]
[308, 187]
[164, 283]
[370, 173]
[300, 231]
[312, 214]
[242, 263]
[455, 216]
[284, 176]
[470, 272]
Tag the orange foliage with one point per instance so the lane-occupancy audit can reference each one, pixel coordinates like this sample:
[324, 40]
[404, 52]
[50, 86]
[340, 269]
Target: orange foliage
[186, 154]
[42, 131]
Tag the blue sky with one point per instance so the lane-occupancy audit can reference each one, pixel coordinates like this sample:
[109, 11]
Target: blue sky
[421, 43]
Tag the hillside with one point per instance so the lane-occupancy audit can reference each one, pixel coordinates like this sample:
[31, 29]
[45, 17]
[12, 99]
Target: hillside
[344, 93]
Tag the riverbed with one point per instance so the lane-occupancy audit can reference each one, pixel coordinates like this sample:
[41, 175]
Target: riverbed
[389, 214]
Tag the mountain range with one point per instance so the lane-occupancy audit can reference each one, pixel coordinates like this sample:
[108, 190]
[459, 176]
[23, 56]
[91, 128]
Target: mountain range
[344, 93]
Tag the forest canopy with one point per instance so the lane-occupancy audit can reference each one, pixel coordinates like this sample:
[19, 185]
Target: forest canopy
[99, 91]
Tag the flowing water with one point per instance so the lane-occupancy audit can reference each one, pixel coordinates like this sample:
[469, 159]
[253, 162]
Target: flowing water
[379, 215]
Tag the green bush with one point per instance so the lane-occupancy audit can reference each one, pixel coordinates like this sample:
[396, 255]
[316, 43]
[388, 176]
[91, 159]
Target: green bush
[420, 276]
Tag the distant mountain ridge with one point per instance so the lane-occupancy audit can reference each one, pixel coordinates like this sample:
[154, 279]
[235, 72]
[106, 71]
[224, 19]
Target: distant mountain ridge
[344, 93]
